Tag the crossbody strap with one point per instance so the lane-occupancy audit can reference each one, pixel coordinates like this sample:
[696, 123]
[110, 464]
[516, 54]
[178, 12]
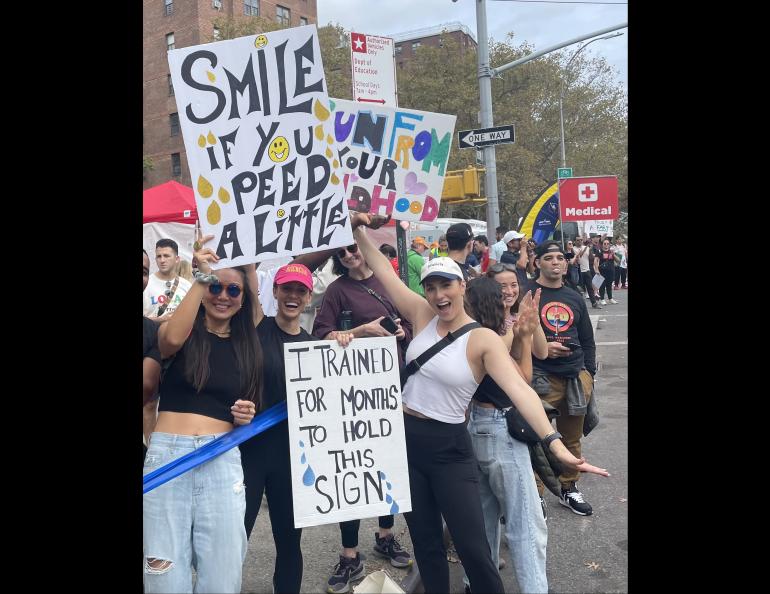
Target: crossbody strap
[450, 337]
[163, 307]
[373, 293]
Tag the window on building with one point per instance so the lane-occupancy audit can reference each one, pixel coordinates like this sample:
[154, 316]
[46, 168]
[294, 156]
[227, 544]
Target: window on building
[168, 7]
[176, 165]
[399, 49]
[173, 121]
[283, 15]
[170, 41]
[170, 86]
[251, 7]
[415, 45]
[217, 33]
[302, 21]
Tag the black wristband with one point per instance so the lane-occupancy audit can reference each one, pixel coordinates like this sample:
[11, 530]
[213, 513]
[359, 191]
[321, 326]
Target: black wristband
[546, 441]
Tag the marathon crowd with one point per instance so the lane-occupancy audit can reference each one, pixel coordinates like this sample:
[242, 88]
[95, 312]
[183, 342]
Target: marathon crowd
[523, 343]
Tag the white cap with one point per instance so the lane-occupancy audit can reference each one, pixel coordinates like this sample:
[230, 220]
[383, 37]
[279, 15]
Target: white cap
[443, 267]
[511, 235]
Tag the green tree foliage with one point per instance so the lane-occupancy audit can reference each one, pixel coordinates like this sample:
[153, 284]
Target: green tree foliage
[147, 165]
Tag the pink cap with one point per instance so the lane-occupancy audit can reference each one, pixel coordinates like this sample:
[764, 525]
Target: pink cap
[294, 272]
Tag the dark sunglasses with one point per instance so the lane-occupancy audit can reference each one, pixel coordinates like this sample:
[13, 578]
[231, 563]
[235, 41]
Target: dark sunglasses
[351, 248]
[233, 290]
[498, 268]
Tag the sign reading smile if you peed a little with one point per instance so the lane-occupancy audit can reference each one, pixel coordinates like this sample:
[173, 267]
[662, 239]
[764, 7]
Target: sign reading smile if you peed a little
[346, 431]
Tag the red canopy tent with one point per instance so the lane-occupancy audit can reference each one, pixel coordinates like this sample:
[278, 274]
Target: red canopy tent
[169, 203]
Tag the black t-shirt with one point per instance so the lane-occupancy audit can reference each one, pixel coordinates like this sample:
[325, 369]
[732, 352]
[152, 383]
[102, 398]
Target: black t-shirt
[607, 260]
[150, 339]
[272, 339]
[564, 317]
[464, 267]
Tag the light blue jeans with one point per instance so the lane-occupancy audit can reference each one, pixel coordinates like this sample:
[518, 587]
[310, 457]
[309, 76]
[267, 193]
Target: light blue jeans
[195, 520]
[508, 489]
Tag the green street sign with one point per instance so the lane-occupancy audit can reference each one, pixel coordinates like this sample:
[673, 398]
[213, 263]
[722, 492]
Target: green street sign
[564, 172]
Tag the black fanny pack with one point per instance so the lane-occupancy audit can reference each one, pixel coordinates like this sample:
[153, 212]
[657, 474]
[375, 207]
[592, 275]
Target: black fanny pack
[520, 429]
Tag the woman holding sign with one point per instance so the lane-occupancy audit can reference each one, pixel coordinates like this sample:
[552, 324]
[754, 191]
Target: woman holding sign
[443, 472]
[213, 383]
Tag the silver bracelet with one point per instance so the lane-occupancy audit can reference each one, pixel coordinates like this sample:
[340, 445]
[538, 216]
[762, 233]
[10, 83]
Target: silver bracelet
[206, 279]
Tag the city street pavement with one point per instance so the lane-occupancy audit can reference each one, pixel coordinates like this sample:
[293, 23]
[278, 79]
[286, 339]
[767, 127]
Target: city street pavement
[585, 554]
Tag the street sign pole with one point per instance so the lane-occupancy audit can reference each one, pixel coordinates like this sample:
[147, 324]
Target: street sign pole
[561, 173]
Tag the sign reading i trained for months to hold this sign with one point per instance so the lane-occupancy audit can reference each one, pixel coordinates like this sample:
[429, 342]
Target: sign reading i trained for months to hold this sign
[486, 136]
[374, 72]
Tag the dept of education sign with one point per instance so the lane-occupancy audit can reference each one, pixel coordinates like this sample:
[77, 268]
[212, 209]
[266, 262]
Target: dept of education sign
[374, 72]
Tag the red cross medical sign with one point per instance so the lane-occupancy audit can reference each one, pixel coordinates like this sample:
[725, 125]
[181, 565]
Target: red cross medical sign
[588, 198]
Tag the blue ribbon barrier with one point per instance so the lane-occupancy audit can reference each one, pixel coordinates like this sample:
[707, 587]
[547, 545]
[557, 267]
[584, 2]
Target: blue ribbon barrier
[262, 422]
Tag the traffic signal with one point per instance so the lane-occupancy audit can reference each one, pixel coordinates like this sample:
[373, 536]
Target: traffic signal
[471, 182]
[461, 183]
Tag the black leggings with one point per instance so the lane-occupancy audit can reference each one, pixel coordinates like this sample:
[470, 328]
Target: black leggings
[350, 528]
[609, 277]
[266, 468]
[586, 277]
[620, 276]
[444, 480]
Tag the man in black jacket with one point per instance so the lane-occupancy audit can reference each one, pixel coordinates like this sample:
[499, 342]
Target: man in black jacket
[565, 378]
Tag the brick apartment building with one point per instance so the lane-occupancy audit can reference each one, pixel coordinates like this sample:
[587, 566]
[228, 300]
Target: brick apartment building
[169, 24]
[406, 43]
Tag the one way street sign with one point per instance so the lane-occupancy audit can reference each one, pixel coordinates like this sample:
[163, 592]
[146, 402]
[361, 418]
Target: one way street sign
[486, 136]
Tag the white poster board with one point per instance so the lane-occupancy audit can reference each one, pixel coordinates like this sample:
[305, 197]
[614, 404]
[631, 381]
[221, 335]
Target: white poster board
[260, 143]
[393, 159]
[346, 431]
[599, 227]
[373, 69]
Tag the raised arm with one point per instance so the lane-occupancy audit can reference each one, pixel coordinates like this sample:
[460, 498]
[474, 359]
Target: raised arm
[252, 284]
[409, 304]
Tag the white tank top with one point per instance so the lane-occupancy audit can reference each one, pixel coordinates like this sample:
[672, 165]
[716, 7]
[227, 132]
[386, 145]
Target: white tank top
[444, 386]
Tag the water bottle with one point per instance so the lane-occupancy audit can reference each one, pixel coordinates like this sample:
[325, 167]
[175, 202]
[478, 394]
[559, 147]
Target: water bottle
[346, 320]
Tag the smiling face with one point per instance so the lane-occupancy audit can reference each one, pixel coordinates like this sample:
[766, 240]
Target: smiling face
[292, 299]
[509, 283]
[278, 151]
[222, 307]
[351, 261]
[260, 41]
[445, 296]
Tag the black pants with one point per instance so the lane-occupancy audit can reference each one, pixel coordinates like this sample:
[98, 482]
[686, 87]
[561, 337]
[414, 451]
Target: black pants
[608, 272]
[350, 528]
[444, 480]
[620, 276]
[585, 278]
[266, 468]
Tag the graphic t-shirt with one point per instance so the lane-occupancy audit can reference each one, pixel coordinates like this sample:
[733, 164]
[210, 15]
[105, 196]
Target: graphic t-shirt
[607, 260]
[154, 295]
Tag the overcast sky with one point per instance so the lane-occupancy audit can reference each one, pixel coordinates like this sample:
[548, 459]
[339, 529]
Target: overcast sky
[539, 23]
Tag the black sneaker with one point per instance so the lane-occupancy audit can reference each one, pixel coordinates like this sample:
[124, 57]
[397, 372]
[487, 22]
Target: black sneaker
[545, 508]
[596, 305]
[573, 499]
[346, 571]
[389, 548]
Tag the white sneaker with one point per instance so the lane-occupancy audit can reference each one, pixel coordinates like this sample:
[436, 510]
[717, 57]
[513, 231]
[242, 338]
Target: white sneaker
[613, 301]
[603, 302]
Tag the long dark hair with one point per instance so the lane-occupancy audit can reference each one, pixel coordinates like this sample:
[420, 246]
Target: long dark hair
[499, 268]
[484, 303]
[243, 337]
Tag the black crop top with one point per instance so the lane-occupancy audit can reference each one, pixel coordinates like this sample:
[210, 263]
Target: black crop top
[489, 391]
[220, 392]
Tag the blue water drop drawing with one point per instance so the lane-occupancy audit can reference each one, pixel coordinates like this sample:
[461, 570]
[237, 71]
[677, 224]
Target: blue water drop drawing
[389, 487]
[301, 444]
[382, 474]
[302, 459]
[394, 508]
[388, 498]
[309, 477]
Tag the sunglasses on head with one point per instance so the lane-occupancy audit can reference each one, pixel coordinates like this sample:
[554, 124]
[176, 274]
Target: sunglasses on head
[233, 290]
[351, 248]
[498, 268]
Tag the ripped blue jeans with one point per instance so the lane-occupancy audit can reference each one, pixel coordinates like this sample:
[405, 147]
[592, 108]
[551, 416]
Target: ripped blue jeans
[194, 521]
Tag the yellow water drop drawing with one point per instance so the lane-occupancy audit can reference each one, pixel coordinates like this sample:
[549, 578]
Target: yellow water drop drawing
[336, 163]
[211, 138]
[320, 111]
[201, 141]
[329, 138]
[224, 196]
[211, 76]
[213, 214]
[335, 179]
[329, 152]
[205, 189]
[319, 132]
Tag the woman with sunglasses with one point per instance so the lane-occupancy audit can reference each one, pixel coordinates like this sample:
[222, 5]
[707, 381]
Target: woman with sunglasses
[443, 474]
[359, 292]
[213, 383]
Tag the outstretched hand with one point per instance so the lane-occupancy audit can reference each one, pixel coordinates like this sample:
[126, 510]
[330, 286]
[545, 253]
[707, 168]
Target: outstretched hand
[565, 457]
[529, 318]
[365, 219]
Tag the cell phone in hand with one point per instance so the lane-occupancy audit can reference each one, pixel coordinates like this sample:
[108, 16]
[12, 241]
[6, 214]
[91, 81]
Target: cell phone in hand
[389, 325]
[572, 345]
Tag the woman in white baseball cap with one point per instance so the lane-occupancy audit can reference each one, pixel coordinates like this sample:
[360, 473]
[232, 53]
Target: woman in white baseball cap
[443, 472]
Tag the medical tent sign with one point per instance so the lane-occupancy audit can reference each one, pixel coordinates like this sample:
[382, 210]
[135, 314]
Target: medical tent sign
[346, 431]
[588, 198]
[260, 143]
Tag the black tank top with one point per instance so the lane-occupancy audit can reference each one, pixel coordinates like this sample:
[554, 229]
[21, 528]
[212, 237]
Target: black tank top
[489, 392]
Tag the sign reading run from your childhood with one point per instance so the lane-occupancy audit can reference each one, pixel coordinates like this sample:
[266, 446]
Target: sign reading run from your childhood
[260, 144]
[393, 159]
[346, 431]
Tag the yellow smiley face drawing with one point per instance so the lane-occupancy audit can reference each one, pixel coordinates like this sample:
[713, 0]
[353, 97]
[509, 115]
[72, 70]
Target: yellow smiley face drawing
[278, 151]
[260, 41]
